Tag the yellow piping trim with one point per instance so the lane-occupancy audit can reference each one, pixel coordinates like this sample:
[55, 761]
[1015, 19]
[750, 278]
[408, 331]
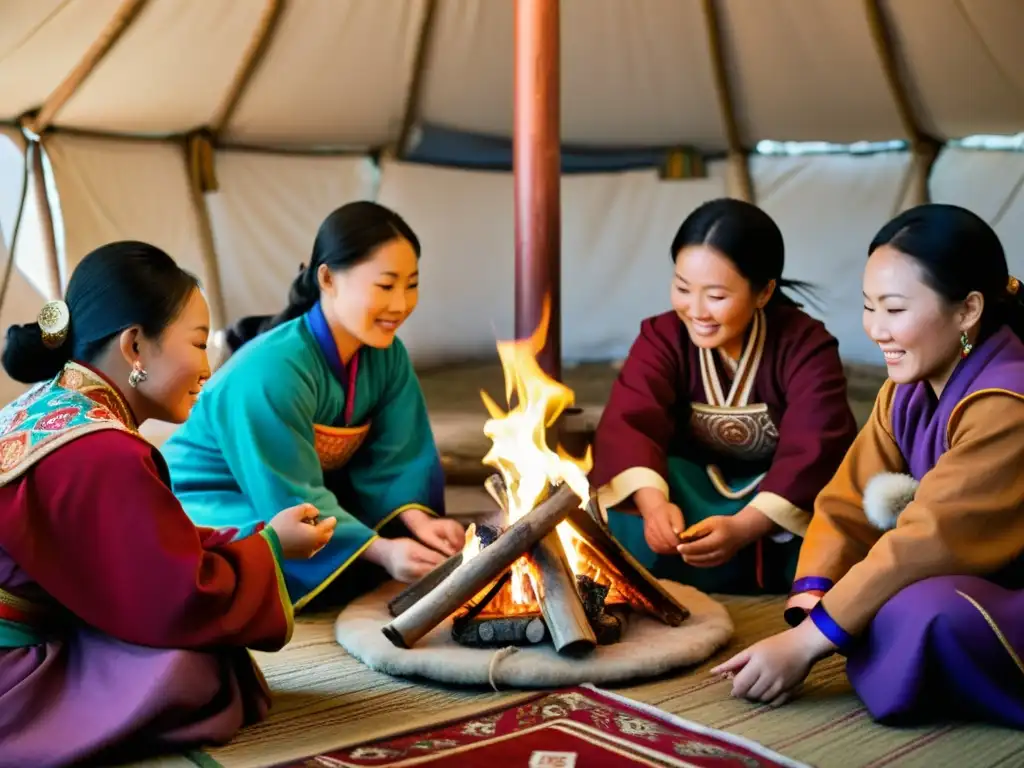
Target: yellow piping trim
[995, 628]
[282, 593]
[963, 404]
[326, 429]
[404, 508]
[303, 601]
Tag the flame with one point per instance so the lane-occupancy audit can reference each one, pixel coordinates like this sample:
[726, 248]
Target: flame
[520, 450]
[472, 546]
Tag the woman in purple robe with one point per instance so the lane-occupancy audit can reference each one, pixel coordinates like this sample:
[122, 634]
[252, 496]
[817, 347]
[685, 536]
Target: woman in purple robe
[729, 416]
[913, 564]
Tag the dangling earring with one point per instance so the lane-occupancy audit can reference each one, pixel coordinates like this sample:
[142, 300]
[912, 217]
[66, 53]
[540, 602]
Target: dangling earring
[965, 346]
[138, 374]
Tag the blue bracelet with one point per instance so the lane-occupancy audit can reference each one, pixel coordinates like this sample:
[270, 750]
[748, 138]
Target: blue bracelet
[811, 584]
[839, 637]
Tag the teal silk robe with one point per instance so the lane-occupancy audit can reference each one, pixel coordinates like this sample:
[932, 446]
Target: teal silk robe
[285, 422]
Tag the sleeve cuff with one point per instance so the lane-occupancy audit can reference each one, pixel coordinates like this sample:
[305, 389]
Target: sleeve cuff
[404, 508]
[270, 535]
[782, 512]
[828, 626]
[628, 482]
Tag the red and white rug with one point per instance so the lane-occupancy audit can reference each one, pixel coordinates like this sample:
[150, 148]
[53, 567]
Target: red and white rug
[575, 727]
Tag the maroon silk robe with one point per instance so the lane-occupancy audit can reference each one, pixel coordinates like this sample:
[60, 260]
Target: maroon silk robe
[797, 374]
[126, 627]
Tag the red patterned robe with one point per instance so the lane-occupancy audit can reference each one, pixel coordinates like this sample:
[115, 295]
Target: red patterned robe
[123, 627]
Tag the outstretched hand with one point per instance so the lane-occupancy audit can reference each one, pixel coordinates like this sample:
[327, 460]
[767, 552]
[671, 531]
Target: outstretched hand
[771, 670]
[441, 534]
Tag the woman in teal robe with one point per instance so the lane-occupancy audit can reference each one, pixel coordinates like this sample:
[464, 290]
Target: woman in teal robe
[321, 405]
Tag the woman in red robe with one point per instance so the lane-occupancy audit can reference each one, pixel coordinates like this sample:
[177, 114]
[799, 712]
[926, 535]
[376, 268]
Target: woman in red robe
[729, 415]
[123, 627]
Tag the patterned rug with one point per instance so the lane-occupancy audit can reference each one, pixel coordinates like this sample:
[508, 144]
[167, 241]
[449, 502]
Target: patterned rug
[575, 726]
[325, 700]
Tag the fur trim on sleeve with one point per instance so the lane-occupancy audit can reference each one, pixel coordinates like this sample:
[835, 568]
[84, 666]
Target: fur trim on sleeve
[886, 495]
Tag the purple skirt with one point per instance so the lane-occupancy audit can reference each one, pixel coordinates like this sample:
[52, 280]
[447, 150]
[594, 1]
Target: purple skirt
[93, 697]
[949, 647]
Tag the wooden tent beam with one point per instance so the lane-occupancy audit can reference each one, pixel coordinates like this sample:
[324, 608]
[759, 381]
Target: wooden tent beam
[54, 284]
[126, 13]
[413, 97]
[199, 162]
[925, 148]
[251, 61]
[739, 168]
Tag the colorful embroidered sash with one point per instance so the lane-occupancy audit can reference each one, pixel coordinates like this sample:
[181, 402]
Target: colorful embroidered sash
[51, 414]
[337, 443]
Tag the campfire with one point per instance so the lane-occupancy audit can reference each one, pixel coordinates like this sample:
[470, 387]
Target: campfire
[550, 570]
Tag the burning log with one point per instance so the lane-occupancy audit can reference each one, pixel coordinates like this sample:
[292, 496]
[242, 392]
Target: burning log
[416, 591]
[470, 577]
[559, 599]
[607, 628]
[606, 551]
[489, 633]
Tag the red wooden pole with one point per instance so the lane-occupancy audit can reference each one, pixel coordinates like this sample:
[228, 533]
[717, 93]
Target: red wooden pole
[536, 165]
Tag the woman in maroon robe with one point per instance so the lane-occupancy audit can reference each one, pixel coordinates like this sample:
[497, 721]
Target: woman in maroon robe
[728, 417]
[123, 627]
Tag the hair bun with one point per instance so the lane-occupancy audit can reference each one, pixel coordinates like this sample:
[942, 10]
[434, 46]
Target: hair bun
[28, 360]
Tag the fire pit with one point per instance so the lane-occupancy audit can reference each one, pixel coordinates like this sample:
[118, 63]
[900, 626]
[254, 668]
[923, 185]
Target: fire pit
[548, 576]
[552, 570]
[572, 586]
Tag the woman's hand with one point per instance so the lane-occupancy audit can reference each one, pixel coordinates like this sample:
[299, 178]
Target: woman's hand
[404, 559]
[770, 670]
[716, 540]
[663, 522]
[445, 535]
[300, 535]
[712, 542]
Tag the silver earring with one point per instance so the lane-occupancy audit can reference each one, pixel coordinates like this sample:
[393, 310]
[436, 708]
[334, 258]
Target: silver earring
[138, 374]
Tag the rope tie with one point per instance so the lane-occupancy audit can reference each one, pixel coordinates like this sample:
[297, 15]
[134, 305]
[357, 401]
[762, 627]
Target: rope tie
[501, 653]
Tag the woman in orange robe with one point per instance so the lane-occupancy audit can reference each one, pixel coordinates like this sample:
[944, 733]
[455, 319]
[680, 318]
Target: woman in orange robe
[913, 564]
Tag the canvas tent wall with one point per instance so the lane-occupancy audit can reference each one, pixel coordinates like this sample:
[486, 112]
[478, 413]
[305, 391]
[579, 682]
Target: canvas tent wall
[305, 104]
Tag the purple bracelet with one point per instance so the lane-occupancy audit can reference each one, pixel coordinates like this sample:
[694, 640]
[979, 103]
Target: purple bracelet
[838, 636]
[811, 584]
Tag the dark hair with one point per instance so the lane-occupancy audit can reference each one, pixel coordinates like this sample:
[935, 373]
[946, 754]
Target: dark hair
[748, 237]
[958, 253]
[346, 238]
[113, 288]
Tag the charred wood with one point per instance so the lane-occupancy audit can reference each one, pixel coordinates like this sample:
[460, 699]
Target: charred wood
[466, 581]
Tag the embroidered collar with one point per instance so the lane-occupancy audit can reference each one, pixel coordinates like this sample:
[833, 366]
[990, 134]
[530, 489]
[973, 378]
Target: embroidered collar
[81, 378]
[316, 321]
[744, 372]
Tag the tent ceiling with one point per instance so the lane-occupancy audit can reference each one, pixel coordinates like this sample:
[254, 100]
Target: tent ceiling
[635, 72]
